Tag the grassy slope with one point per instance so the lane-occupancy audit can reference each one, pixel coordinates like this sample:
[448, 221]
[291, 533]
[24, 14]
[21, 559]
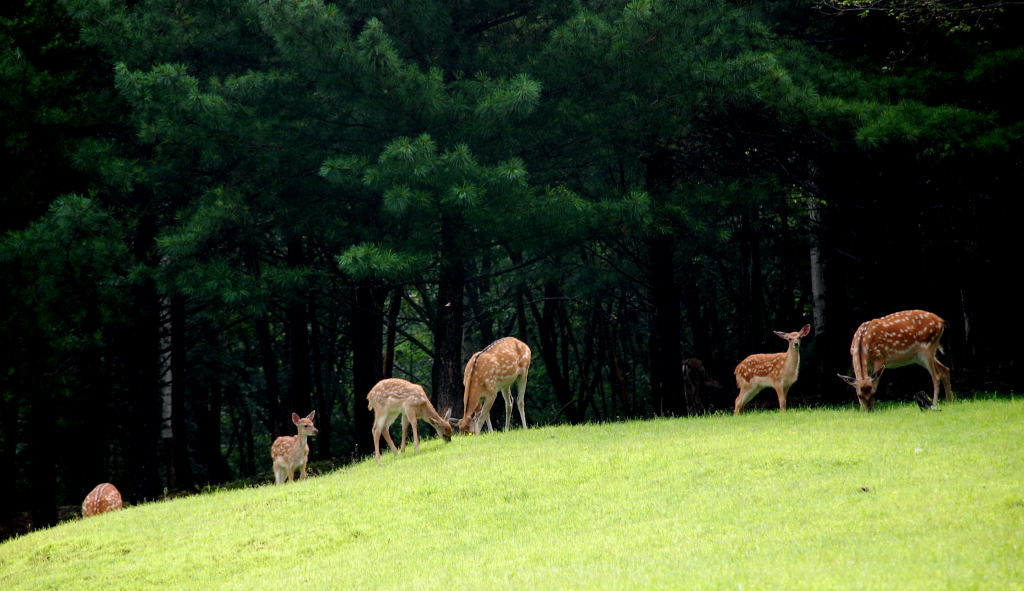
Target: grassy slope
[814, 499]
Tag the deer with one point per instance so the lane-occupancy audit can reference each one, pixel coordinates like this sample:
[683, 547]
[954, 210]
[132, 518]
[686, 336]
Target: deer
[291, 452]
[105, 497]
[695, 379]
[392, 397]
[903, 338]
[495, 369]
[778, 370]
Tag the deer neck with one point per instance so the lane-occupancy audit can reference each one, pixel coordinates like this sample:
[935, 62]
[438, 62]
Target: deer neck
[300, 446]
[792, 366]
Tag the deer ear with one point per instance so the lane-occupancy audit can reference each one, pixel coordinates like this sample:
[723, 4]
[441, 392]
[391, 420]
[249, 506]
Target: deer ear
[780, 334]
[877, 373]
[848, 379]
[806, 330]
[295, 418]
[310, 415]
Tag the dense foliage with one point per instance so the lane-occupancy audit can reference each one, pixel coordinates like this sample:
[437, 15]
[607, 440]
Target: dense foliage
[220, 212]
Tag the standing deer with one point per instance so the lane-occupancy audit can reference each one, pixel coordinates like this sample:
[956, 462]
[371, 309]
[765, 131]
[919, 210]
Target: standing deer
[902, 338]
[292, 451]
[392, 397]
[501, 364]
[105, 497]
[778, 370]
[695, 379]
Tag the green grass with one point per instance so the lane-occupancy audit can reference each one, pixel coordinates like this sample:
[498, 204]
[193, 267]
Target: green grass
[813, 499]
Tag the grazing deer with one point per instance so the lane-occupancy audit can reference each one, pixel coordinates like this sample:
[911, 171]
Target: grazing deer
[778, 370]
[105, 497]
[392, 397]
[292, 451]
[902, 338]
[502, 363]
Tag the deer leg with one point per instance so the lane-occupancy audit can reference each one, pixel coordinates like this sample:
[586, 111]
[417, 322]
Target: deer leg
[940, 378]
[486, 411]
[405, 427]
[385, 429]
[507, 395]
[781, 392]
[377, 428]
[944, 377]
[746, 393]
[410, 418]
[520, 398]
[939, 374]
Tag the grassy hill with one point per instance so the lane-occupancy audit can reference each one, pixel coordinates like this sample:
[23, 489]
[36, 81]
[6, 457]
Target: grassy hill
[813, 499]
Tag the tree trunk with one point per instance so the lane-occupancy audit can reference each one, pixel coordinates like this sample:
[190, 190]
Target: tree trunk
[209, 400]
[243, 426]
[299, 383]
[322, 402]
[548, 332]
[751, 302]
[697, 316]
[277, 421]
[818, 287]
[394, 309]
[665, 348]
[10, 436]
[41, 451]
[141, 342]
[828, 350]
[366, 326]
[448, 387]
[179, 476]
[666, 351]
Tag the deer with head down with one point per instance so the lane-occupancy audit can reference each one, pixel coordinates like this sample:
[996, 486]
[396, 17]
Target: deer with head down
[495, 369]
[778, 370]
[105, 497]
[904, 338]
[394, 397]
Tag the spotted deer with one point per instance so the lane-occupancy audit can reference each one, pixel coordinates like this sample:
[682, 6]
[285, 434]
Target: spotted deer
[105, 497]
[903, 338]
[778, 370]
[291, 452]
[501, 364]
[394, 397]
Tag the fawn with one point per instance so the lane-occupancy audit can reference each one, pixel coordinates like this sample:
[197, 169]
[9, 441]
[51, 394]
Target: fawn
[778, 370]
[105, 497]
[495, 369]
[392, 397]
[292, 451]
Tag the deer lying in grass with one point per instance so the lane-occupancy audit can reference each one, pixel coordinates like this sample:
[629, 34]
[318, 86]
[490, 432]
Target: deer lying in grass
[292, 451]
[394, 397]
[495, 369]
[903, 338]
[778, 370]
[105, 497]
